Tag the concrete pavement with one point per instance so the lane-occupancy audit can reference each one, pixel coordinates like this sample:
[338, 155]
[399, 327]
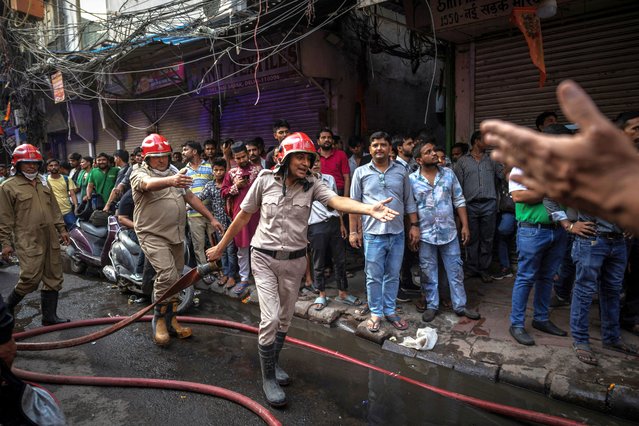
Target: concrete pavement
[485, 348]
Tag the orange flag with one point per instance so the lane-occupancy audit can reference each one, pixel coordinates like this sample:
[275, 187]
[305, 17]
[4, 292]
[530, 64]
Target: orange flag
[7, 116]
[528, 22]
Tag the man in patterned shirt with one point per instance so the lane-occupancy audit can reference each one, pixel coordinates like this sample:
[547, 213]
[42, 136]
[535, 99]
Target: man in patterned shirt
[437, 191]
[213, 193]
[201, 173]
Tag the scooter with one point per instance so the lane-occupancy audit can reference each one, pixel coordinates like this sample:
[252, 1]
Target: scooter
[90, 244]
[123, 256]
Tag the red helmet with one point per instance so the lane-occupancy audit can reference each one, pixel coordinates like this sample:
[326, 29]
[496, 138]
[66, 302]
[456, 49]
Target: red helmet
[296, 142]
[26, 153]
[155, 145]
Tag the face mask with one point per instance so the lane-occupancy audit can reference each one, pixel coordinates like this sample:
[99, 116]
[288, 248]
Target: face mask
[163, 173]
[30, 176]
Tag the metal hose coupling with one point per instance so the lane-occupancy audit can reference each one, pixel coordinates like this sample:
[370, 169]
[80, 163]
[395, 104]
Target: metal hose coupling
[207, 268]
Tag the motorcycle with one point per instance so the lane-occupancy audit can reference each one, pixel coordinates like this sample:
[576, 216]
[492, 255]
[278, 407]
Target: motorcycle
[123, 254]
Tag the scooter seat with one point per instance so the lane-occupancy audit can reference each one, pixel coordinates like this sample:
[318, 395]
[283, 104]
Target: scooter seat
[99, 232]
[133, 248]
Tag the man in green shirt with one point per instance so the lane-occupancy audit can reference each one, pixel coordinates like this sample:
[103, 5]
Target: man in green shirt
[101, 178]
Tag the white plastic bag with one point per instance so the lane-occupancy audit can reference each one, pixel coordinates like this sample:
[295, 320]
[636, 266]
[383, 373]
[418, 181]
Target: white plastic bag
[424, 341]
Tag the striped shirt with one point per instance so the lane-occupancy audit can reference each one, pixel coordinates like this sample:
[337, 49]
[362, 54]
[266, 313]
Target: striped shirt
[478, 179]
[201, 176]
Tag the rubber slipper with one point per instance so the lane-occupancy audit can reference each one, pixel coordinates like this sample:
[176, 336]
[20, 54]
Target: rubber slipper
[373, 324]
[397, 322]
[349, 300]
[240, 288]
[307, 291]
[223, 281]
[585, 355]
[364, 310]
[320, 303]
[624, 348]
[230, 283]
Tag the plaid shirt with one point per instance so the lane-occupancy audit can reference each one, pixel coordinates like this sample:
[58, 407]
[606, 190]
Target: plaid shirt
[214, 194]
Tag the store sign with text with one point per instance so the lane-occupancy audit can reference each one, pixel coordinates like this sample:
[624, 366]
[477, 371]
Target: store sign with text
[236, 72]
[169, 76]
[58, 87]
[455, 13]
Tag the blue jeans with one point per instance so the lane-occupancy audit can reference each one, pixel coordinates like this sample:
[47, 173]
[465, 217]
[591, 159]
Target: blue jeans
[229, 260]
[540, 253]
[69, 220]
[597, 260]
[505, 230]
[451, 256]
[563, 286]
[383, 260]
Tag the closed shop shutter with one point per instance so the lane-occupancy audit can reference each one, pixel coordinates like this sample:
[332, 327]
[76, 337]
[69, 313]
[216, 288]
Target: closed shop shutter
[303, 105]
[186, 120]
[596, 50]
[76, 144]
[133, 114]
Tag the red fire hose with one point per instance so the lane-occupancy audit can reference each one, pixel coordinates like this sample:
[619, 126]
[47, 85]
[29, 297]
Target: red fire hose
[493, 407]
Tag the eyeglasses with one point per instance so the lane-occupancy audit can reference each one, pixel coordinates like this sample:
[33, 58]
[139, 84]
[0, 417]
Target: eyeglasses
[382, 180]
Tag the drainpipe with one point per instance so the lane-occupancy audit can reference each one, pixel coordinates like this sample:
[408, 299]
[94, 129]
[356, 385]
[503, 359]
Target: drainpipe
[450, 96]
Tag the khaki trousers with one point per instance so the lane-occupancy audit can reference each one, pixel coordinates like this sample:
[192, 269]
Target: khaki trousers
[200, 228]
[40, 263]
[278, 284]
[167, 260]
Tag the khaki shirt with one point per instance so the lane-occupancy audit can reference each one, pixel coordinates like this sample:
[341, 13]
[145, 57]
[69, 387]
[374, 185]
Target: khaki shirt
[24, 210]
[161, 213]
[283, 219]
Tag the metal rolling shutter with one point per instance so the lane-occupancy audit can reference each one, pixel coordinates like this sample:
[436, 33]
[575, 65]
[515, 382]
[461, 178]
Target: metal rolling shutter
[597, 50]
[302, 104]
[133, 114]
[186, 120]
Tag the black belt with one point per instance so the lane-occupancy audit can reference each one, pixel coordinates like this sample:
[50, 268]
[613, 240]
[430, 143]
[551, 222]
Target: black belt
[283, 255]
[538, 225]
[610, 235]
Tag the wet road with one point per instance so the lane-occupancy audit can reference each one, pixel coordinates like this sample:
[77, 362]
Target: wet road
[324, 390]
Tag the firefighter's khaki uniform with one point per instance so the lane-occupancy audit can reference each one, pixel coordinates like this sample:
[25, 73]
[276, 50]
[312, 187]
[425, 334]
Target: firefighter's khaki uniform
[282, 230]
[160, 220]
[32, 215]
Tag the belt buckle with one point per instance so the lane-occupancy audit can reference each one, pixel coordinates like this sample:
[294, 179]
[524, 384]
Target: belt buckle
[281, 255]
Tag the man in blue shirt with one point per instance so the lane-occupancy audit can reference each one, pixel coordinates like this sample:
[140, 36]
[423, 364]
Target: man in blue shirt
[383, 242]
[437, 191]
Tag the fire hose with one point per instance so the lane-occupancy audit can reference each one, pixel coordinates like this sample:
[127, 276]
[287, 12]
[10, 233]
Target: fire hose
[184, 282]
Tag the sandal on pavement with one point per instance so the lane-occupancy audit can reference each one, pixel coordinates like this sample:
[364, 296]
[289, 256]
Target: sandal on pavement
[621, 346]
[349, 300]
[223, 281]
[420, 305]
[373, 324]
[585, 354]
[241, 288]
[364, 310]
[307, 291]
[320, 303]
[230, 283]
[397, 322]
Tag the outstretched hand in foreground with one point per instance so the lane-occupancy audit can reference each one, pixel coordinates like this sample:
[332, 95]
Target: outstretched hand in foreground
[596, 170]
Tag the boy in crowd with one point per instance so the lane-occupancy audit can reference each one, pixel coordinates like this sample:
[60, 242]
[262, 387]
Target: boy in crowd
[437, 191]
[213, 192]
[325, 233]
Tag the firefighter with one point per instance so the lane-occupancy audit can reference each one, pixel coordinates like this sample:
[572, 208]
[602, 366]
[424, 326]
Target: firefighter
[283, 198]
[161, 193]
[29, 212]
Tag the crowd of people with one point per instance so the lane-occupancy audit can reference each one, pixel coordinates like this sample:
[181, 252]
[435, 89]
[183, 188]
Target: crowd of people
[288, 218]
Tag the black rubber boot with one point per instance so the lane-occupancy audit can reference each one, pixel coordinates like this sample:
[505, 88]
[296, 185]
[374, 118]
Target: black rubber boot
[280, 375]
[272, 390]
[49, 304]
[12, 301]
